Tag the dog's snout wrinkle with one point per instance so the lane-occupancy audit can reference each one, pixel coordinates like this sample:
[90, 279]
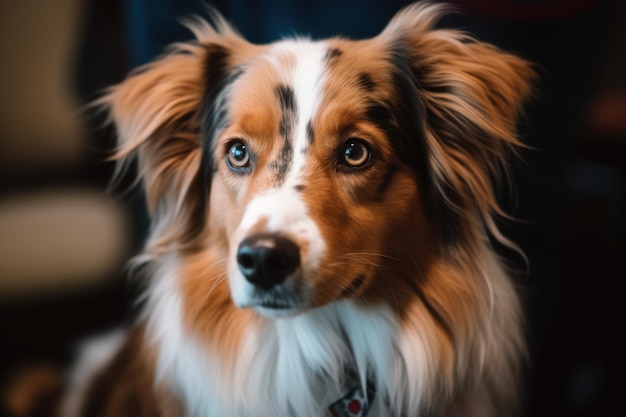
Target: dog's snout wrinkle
[266, 260]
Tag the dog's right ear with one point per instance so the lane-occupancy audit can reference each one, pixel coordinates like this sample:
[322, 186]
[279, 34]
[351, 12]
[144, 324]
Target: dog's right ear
[160, 113]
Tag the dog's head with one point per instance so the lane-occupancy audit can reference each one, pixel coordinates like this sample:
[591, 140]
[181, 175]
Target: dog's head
[315, 168]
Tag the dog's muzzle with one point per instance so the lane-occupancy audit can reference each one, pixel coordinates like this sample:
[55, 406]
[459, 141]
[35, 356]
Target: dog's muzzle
[266, 259]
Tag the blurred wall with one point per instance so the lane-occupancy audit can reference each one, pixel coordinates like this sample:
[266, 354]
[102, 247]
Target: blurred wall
[38, 112]
[58, 230]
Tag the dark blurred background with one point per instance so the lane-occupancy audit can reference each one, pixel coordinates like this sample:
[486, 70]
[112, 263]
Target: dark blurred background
[64, 239]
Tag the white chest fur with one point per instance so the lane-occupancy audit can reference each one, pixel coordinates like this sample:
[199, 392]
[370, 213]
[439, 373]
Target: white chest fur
[292, 366]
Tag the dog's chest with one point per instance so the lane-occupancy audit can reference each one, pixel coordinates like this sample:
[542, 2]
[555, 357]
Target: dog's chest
[325, 363]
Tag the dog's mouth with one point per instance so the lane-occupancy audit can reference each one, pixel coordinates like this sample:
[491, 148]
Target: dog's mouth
[276, 309]
[280, 302]
[275, 313]
[277, 302]
[275, 305]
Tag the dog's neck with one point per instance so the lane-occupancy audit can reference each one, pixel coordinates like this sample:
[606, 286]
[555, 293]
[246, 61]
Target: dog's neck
[292, 366]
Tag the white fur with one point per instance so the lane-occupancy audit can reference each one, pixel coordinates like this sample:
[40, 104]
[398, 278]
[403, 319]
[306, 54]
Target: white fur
[308, 78]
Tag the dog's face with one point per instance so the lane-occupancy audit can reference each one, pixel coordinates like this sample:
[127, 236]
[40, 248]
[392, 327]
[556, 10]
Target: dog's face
[314, 169]
[307, 175]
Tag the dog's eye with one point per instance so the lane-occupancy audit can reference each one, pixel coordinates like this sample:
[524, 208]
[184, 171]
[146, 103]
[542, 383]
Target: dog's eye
[238, 155]
[355, 153]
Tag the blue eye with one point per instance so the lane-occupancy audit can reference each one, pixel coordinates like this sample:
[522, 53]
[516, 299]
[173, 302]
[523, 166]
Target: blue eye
[355, 153]
[238, 155]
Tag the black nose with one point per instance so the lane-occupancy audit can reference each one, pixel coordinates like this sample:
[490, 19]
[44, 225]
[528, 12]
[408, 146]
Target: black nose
[267, 259]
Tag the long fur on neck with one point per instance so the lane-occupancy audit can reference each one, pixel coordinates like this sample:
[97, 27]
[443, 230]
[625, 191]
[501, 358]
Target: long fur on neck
[300, 365]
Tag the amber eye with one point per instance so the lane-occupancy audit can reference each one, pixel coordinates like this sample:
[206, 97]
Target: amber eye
[355, 153]
[238, 156]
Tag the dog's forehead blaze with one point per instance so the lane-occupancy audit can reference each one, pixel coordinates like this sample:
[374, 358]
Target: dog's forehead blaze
[282, 112]
[295, 119]
[262, 111]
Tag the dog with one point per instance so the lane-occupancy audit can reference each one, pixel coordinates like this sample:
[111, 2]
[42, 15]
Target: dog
[323, 225]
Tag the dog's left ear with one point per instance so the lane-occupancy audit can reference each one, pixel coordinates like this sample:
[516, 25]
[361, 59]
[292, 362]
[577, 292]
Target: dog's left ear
[471, 95]
[155, 115]
[160, 113]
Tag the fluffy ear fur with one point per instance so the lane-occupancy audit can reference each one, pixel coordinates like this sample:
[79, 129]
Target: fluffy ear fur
[471, 94]
[158, 112]
[155, 112]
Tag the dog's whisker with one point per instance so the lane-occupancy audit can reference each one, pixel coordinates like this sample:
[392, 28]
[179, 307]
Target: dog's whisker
[210, 281]
[378, 266]
[213, 265]
[373, 254]
[216, 281]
